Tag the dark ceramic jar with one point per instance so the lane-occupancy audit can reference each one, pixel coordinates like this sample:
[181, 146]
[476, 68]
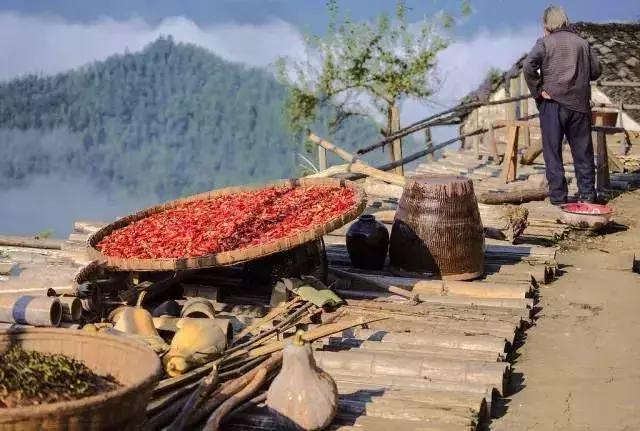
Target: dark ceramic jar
[367, 243]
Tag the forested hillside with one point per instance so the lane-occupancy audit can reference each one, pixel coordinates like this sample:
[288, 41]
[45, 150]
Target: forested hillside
[167, 121]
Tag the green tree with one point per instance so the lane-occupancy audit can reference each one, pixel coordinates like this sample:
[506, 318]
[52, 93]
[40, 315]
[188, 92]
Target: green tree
[365, 68]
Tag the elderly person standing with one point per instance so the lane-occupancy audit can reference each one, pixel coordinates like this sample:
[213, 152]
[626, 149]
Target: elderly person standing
[558, 71]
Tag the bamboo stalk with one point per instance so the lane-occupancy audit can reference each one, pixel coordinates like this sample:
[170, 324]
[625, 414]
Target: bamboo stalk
[21, 241]
[214, 421]
[487, 343]
[487, 373]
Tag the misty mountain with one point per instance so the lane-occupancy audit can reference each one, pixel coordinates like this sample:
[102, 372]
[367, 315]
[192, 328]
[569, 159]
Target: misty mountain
[170, 120]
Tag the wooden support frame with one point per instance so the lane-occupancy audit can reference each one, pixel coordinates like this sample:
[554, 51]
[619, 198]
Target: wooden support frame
[602, 156]
[510, 162]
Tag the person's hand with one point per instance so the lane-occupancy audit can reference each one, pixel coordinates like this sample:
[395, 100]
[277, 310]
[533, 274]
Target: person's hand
[545, 95]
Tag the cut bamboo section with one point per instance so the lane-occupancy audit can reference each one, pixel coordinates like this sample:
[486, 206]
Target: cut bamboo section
[333, 344]
[380, 408]
[506, 331]
[22, 241]
[443, 399]
[487, 343]
[437, 287]
[494, 374]
[518, 303]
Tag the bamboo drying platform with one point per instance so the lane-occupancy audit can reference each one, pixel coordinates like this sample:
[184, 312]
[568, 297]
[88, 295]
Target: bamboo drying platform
[440, 360]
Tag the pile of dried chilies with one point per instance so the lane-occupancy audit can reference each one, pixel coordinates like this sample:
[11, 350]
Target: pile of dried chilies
[228, 222]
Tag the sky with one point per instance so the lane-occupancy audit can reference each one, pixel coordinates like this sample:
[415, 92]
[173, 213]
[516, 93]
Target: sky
[49, 36]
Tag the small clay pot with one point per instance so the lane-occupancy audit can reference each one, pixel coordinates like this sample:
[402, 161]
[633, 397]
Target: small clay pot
[367, 243]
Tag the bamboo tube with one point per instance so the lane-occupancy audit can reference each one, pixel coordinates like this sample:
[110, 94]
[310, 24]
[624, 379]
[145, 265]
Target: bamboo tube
[436, 287]
[443, 326]
[493, 374]
[407, 410]
[409, 349]
[21, 241]
[71, 308]
[410, 382]
[519, 304]
[474, 342]
[466, 400]
[370, 423]
[506, 332]
[442, 311]
[30, 310]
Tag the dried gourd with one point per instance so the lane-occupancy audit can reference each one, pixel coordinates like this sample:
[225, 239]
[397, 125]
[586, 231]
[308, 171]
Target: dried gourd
[136, 323]
[302, 396]
[196, 342]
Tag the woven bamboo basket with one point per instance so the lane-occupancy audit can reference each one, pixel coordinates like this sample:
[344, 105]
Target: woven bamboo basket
[135, 366]
[437, 228]
[233, 256]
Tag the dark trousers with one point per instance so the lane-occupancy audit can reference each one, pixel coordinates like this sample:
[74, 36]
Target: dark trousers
[556, 121]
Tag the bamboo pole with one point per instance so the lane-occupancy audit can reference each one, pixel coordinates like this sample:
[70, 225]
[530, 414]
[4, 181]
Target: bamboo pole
[380, 408]
[493, 374]
[430, 397]
[413, 350]
[21, 241]
[488, 343]
[357, 165]
[436, 287]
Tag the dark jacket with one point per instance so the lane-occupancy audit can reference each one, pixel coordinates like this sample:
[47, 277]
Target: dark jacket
[563, 64]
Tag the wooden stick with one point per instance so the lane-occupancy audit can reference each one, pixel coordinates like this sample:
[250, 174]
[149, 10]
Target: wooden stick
[513, 197]
[232, 387]
[213, 423]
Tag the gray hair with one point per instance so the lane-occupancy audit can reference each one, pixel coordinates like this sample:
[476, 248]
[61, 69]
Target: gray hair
[554, 17]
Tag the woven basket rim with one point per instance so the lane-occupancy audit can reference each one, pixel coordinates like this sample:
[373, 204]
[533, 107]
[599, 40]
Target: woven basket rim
[93, 401]
[230, 257]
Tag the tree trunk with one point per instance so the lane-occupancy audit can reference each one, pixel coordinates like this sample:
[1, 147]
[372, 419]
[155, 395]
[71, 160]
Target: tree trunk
[393, 125]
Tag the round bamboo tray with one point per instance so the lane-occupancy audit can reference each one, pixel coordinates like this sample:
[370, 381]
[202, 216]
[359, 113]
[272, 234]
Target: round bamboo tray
[233, 256]
[136, 367]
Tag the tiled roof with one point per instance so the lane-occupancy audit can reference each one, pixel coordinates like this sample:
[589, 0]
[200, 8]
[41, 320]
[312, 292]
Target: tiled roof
[618, 45]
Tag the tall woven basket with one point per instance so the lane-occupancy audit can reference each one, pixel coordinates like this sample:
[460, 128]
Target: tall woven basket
[437, 228]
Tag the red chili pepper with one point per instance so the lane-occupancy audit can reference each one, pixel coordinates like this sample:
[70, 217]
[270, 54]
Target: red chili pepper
[228, 222]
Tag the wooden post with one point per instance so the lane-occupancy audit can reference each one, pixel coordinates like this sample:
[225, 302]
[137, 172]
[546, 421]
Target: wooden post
[475, 139]
[524, 111]
[429, 143]
[602, 159]
[511, 155]
[396, 146]
[322, 158]
[492, 144]
[510, 108]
